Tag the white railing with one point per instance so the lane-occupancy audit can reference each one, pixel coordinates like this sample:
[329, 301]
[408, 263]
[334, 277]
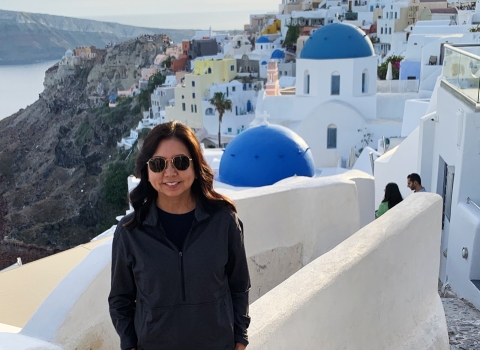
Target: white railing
[470, 201]
[398, 85]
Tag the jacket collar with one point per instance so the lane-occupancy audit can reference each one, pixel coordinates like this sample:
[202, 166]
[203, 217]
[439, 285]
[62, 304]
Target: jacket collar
[152, 218]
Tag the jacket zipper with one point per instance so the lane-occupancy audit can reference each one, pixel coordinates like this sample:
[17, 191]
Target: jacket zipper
[180, 254]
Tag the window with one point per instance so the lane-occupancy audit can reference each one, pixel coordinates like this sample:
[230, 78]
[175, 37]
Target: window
[395, 15]
[332, 136]
[261, 47]
[389, 30]
[365, 81]
[306, 82]
[183, 106]
[233, 88]
[209, 111]
[381, 30]
[191, 108]
[195, 108]
[209, 70]
[229, 129]
[193, 83]
[193, 95]
[335, 85]
[183, 96]
[232, 68]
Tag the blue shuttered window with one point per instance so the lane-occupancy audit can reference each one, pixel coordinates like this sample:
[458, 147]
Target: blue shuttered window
[332, 137]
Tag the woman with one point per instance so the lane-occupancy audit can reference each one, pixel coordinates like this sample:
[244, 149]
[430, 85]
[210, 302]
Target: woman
[179, 270]
[392, 198]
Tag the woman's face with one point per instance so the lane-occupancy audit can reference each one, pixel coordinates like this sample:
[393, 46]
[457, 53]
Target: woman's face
[172, 183]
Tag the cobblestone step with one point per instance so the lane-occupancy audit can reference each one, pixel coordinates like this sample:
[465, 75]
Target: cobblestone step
[463, 322]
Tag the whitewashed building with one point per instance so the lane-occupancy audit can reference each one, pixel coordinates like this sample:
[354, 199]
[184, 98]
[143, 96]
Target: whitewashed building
[445, 150]
[334, 103]
[243, 97]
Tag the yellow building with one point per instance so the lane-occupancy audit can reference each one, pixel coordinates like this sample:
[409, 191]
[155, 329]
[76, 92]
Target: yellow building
[189, 96]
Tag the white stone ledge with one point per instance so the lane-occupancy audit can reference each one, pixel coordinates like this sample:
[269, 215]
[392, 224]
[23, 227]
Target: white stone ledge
[376, 290]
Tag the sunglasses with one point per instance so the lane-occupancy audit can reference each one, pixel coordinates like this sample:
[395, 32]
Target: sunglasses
[159, 164]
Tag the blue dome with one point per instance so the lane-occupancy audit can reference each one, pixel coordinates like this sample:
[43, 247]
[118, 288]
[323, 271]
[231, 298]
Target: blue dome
[278, 54]
[263, 40]
[264, 63]
[337, 41]
[263, 155]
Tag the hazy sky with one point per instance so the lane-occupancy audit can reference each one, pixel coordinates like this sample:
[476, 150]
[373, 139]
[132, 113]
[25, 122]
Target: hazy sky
[128, 11]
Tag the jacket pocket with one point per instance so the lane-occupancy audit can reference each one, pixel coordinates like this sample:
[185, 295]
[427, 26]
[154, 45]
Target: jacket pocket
[206, 326]
[155, 327]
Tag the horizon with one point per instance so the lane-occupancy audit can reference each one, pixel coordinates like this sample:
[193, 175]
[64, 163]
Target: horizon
[157, 21]
[220, 15]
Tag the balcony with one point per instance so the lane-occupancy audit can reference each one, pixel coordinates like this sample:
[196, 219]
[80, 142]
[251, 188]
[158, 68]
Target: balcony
[461, 73]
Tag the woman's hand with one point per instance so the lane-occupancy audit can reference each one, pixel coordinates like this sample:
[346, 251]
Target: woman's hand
[240, 346]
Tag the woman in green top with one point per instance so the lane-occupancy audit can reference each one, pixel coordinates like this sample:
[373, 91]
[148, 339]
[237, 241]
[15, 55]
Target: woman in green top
[392, 198]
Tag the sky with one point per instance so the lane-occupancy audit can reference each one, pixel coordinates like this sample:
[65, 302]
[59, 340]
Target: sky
[221, 14]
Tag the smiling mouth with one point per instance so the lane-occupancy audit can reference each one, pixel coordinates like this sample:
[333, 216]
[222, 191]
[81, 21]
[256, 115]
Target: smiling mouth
[171, 183]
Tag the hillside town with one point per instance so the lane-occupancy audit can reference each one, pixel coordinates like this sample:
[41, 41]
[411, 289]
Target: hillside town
[327, 103]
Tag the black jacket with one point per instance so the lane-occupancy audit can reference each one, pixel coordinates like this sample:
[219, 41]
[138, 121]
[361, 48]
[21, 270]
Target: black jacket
[162, 298]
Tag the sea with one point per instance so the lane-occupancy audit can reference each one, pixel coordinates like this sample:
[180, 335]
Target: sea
[20, 85]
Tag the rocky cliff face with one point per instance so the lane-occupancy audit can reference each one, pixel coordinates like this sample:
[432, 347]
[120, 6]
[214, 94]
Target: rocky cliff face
[31, 37]
[55, 154]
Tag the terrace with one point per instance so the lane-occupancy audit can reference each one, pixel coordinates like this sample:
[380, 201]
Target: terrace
[461, 73]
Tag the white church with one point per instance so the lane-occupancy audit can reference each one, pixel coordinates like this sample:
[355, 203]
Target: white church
[335, 96]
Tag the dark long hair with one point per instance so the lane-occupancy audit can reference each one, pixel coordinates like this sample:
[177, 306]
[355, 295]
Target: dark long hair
[144, 194]
[392, 195]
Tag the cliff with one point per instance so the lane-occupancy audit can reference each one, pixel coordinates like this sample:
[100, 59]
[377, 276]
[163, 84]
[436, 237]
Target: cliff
[62, 179]
[31, 37]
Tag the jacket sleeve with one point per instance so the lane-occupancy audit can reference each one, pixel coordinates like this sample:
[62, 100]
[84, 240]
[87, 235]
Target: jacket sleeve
[122, 294]
[238, 280]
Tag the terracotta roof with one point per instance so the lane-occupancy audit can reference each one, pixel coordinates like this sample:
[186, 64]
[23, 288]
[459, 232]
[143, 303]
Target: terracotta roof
[447, 10]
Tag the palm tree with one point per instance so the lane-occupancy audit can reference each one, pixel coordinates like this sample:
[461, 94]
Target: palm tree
[221, 105]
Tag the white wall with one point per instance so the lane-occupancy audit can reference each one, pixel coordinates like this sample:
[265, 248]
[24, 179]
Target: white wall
[10, 341]
[413, 112]
[464, 233]
[457, 142]
[287, 225]
[350, 71]
[392, 105]
[395, 165]
[282, 238]
[390, 307]
[313, 129]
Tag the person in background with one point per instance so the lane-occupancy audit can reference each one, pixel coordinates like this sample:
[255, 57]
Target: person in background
[392, 198]
[179, 270]
[414, 182]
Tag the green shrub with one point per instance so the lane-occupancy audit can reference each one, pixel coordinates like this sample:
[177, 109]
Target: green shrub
[115, 116]
[137, 109]
[84, 134]
[116, 187]
[293, 33]
[382, 69]
[143, 133]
